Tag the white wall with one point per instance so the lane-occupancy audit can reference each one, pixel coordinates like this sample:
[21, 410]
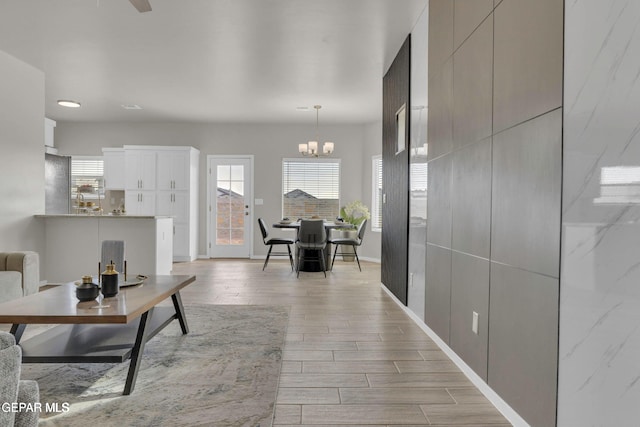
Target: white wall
[22, 147]
[599, 348]
[269, 143]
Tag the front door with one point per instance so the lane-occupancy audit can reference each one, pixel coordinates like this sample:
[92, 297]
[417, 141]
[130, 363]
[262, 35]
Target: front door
[230, 208]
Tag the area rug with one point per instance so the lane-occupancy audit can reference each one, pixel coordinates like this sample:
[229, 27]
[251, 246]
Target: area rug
[223, 373]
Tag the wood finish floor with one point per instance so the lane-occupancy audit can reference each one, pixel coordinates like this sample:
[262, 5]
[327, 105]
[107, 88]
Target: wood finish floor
[352, 357]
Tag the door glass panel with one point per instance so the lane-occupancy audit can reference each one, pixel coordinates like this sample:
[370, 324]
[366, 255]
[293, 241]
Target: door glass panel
[230, 205]
[224, 172]
[238, 188]
[223, 236]
[237, 173]
[237, 236]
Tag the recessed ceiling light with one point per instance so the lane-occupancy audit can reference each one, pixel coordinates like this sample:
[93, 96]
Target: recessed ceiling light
[68, 103]
[131, 107]
[302, 108]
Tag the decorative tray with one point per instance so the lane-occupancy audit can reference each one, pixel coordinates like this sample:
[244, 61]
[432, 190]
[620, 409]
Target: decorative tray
[137, 280]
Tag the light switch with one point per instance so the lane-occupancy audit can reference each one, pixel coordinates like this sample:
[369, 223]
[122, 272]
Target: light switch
[259, 202]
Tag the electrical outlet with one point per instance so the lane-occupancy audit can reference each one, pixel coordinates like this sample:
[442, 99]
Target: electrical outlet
[474, 323]
[411, 280]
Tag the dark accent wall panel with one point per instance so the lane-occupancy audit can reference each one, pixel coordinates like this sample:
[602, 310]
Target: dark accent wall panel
[395, 175]
[494, 192]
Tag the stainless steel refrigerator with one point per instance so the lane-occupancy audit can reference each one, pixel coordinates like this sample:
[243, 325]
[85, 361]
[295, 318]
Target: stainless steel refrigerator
[57, 187]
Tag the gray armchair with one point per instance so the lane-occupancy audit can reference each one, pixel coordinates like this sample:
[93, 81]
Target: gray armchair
[312, 237]
[13, 390]
[19, 274]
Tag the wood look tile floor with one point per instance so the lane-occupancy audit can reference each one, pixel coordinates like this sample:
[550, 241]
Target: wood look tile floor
[352, 357]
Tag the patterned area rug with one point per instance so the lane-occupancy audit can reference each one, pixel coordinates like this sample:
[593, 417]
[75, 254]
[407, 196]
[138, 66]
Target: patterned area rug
[223, 373]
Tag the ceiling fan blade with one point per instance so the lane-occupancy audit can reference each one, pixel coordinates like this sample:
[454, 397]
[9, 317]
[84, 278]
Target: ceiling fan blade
[141, 5]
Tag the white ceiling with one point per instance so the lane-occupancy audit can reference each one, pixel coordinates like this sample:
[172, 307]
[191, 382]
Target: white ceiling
[210, 60]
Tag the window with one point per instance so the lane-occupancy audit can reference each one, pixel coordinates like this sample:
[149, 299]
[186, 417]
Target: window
[310, 188]
[376, 196]
[619, 185]
[87, 174]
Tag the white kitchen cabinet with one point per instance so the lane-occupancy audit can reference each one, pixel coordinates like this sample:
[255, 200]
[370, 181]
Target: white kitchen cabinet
[140, 169]
[163, 180]
[175, 204]
[173, 170]
[113, 168]
[181, 242]
[140, 202]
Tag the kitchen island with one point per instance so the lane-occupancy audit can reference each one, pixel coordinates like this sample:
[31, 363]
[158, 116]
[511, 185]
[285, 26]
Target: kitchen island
[73, 244]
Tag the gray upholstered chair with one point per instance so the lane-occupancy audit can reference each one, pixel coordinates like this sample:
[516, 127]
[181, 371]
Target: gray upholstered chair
[312, 237]
[272, 241]
[354, 242]
[14, 390]
[19, 274]
[113, 251]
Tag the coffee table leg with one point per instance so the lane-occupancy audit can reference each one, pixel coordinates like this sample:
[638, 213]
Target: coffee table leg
[177, 303]
[17, 330]
[136, 352]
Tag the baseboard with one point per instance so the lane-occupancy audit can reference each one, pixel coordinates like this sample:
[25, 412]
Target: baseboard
[512, 416]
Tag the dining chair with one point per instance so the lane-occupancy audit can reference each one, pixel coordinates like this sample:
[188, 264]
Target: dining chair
[113, 252]
[271, 242]
[312, 237]
[353, 242]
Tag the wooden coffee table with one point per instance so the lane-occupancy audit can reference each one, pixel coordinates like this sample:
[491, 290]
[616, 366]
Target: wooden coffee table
[97, 335]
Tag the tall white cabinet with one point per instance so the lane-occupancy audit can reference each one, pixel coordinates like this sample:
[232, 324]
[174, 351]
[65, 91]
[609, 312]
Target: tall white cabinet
[163, 180]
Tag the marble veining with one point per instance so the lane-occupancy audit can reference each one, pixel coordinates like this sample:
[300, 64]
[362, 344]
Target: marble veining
[223, 373]
[599, 348]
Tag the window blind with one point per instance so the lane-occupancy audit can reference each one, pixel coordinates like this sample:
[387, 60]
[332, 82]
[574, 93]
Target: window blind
[86, 176]
[310, 188]
[376, 196]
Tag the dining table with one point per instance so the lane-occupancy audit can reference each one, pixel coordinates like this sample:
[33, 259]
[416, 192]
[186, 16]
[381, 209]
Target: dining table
[328, 225]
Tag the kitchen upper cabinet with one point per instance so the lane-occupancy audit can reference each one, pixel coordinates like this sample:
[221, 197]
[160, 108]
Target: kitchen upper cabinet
[113, 168]
[173, 169]
[140, 169]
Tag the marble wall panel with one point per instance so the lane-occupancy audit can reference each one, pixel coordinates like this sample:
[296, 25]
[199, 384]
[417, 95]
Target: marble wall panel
[528, 60]
[470, 293]
[468, 14]
[600, 297]
[523, 342]
[471, 199]
[437, 310]
[439, 197]
[525, 223]
[472, 87]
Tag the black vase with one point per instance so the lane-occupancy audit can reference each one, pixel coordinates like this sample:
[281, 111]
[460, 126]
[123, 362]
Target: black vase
[110, 285]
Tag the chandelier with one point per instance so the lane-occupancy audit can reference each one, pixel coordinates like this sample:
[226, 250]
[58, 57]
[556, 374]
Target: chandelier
[311, 147]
